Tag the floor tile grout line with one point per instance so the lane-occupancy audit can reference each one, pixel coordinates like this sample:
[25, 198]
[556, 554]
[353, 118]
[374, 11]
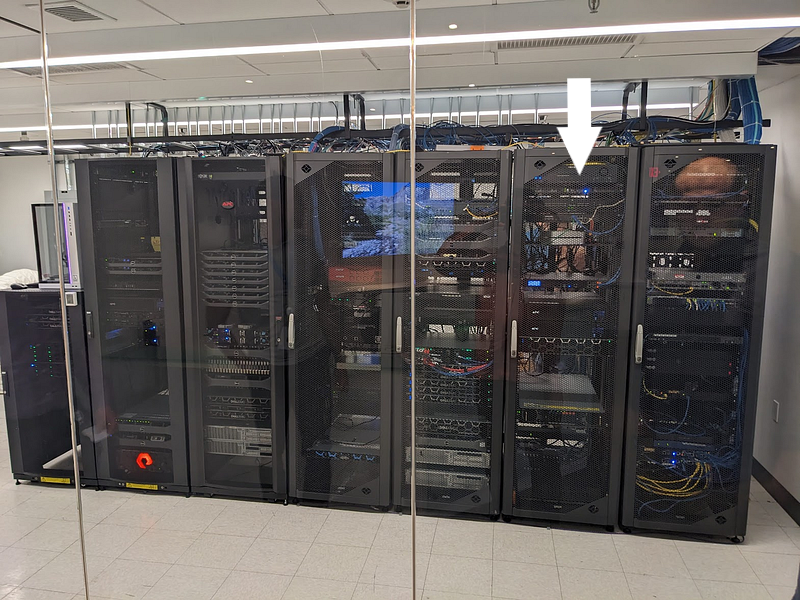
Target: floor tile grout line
[307, 551]
[369, 551]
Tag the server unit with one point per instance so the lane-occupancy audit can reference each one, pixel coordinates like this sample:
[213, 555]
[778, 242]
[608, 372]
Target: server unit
[701, 271]
[35, 387]
[339, 265]
[571, 265]
[462, 211]
[129, 254]
[231, 223]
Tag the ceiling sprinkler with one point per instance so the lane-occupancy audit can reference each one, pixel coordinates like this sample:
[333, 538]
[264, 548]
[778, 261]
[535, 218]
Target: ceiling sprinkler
[593, 6]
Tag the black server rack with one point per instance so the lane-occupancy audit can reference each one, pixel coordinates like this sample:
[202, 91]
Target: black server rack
[35, 387]
[129, 252]
[569, 312]
[462, 212]
[233, 266]
[339, 267]
[701, 264]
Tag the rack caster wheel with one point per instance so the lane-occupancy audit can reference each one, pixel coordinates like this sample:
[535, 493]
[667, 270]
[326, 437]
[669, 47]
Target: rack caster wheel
[506, 519]
[610, 528]
[737, 539]
[494, 518]
[18, 482]
[286, 502]
[625, 530]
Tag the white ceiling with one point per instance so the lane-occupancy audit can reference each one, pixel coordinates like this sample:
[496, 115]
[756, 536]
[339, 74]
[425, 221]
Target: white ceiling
[143, 25]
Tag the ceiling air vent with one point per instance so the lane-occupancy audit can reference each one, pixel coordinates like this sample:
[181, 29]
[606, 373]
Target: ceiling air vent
[71, 69]
[74, 12]
[589, 40]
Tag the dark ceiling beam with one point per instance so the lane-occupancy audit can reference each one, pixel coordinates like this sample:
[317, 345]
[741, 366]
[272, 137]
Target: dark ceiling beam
[18, 24]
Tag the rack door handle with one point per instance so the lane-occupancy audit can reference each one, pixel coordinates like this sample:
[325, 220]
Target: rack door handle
[89, 324]
[3, 384]
[639, 346]
[514, 339]
[398, 340]
[290, 334]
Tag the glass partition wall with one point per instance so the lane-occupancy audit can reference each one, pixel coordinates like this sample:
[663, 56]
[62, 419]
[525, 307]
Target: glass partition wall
[364, 352]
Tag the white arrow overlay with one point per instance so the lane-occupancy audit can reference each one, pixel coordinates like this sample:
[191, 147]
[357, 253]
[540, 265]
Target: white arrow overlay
[579, 136]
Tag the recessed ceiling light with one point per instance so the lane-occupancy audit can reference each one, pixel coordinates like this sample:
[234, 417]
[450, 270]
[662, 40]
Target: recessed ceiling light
[248, 81]
[201, 98]
[453, 26]
[372, 109]
[471, 85]
[403, 42]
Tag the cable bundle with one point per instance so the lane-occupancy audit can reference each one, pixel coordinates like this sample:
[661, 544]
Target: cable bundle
[683, 487]
[463, 370]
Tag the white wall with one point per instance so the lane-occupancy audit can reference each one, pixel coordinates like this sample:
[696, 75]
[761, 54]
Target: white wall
[23, 180]
[777, 445]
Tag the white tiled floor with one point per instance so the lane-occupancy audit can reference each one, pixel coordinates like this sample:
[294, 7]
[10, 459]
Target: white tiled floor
[161, 547]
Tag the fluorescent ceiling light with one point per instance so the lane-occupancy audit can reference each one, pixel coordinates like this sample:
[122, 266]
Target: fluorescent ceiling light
[641, 28]
[26, 147]
[453, 26]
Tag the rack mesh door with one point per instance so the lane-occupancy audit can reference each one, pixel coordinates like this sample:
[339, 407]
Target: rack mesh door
[233, 232]
[342, 243]
[571, 235]
[462, 212]
[701, 244]
[132, 277]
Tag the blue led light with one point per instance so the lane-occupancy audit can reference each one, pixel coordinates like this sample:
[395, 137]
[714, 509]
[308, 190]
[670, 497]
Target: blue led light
[33, 364]
[534, 283]
[155, 341]
[586, 191]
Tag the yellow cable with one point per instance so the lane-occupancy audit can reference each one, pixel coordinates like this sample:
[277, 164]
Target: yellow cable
[689, 291]
[754, 224]
[654, 395]
[474, 216]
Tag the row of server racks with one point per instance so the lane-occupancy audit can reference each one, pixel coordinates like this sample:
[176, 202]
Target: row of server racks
[582, 342]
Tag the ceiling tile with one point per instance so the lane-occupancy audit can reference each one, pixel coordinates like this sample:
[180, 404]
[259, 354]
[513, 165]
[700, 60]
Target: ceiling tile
[674, 48]
[555, 55]
[214, 11]
[439, 60]
[114, 76]
[328, 66]
[198, 68]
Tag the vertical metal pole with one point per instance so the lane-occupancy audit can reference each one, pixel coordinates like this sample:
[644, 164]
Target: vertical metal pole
[51, 151]
[499, 109]
[413, 251]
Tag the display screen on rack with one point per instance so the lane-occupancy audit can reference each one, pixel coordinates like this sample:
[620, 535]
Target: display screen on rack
[376, 216]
